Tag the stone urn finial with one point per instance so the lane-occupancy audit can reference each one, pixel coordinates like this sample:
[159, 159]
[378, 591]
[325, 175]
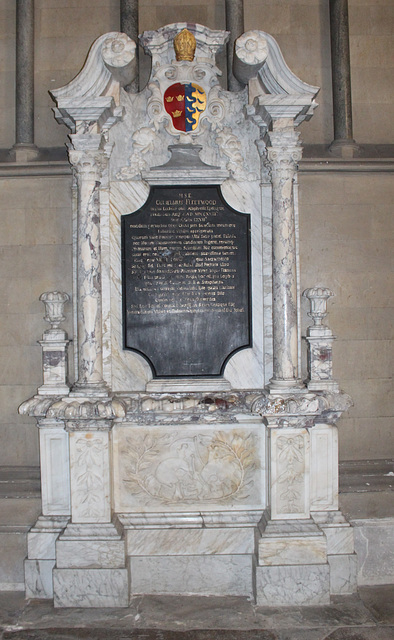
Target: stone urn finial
[54, 304]
[318, 297]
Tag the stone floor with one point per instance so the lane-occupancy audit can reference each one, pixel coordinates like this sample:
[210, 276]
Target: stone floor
[366, 616]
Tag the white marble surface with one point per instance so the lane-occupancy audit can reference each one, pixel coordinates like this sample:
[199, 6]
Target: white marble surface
[251, 51]
[293, 585]
[38, 578]
[188, 468]
[172, 542]
[290, 460]
[292, 551]
[189, 575]
[339, 534]
[41, 545]
[90, 476]
[90, 554]
[54, 365]
[90, 588]
[343, 574]
[374, 540]
[324, 467]
[231, 518]
[55, 468]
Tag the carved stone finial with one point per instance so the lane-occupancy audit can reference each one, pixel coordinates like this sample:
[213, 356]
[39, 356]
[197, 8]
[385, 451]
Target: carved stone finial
[54, 303]
[318, 297]
[185, 45]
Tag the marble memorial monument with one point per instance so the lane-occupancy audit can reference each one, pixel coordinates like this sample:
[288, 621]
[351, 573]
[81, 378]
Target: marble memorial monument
[189, 457]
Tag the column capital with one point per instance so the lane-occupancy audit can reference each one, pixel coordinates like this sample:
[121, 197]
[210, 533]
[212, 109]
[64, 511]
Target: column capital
[284, 149]
[88, 163]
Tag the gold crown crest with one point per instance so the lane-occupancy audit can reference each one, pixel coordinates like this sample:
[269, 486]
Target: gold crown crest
[185, 45]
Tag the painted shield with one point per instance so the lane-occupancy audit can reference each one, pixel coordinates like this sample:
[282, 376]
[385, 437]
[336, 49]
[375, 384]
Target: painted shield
[185, 102]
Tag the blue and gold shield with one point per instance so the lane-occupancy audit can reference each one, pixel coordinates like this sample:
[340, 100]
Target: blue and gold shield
[185, 102]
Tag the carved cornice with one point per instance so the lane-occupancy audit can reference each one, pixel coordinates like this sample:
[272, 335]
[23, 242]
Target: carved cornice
[301, 409]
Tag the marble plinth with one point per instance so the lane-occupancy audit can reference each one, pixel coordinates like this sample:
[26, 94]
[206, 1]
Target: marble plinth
[193, 575]
[90, 588]
[172, 542]
[38, 578]
[293, 585]
[90, 554]
[343, 574]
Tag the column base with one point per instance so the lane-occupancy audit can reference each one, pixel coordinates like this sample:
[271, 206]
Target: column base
[53, 390]
[41, 554]
[286, 386]
[340, 551]
[292, 569]
[322, 385]
[344, 148]
[24, 152]
[90, 567]
[93, 390]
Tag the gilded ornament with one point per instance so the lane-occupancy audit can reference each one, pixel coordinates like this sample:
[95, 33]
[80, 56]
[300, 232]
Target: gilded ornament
[185, 45]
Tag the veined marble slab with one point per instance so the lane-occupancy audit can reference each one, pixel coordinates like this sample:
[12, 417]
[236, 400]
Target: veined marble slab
[90, 587]
[343, 574]
[196, 467]
[292, 551]
[293, 585]
[192, 575]
[172, 542]
[38, 578]
[41, 545]
[91, 554]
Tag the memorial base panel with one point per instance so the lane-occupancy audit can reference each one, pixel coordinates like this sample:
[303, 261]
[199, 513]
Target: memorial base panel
[213, 575]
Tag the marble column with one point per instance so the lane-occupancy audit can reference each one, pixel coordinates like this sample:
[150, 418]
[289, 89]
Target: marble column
[284, 153]
[234, 24]
[129, 26]
[88, 160]
[24, 148]
[343, 143]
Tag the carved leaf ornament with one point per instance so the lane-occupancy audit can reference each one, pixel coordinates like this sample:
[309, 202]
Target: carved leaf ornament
[89, 481]
[291, 454]
[172, 469]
